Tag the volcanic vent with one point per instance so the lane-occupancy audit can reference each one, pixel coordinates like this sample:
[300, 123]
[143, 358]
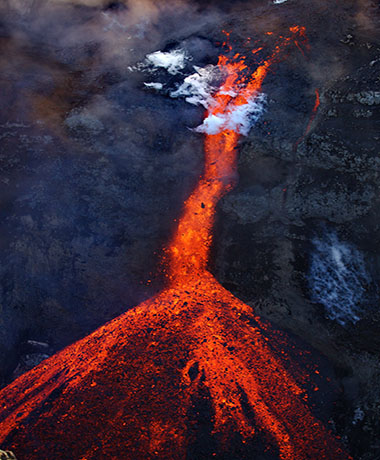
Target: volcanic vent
[128, 390]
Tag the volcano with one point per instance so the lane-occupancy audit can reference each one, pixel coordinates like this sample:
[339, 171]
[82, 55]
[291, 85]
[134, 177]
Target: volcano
[133, 389]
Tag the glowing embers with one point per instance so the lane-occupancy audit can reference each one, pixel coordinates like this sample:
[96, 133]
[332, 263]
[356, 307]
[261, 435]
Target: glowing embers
[125, 391]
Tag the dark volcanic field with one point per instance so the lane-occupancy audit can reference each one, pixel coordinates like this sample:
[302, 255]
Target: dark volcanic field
[94, 168]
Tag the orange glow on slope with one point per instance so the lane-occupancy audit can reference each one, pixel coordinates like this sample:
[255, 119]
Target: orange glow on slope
[314, 112]
[302, 40]
[311, 119]
[125, 391]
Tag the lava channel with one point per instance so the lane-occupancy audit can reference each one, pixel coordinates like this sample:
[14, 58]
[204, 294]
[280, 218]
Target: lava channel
[126, 391]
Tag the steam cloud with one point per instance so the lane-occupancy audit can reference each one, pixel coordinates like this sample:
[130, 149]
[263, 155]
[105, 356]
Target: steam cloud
[198, 89]
[338, 278]
[238, 118]
[173, 61]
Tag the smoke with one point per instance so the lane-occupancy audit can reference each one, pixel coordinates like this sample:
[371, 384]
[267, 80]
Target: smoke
[153, 85]
[239, 118]
[367, 17]
[64, 53]
[173, 62]
[199, 88]
[113, 32]
[338, 278]
[102, 38]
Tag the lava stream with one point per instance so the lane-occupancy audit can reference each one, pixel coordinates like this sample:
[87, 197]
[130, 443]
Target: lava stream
[126, 391]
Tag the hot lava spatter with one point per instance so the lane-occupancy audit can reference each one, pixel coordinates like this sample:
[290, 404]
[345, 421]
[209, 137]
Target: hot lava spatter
[126, 390]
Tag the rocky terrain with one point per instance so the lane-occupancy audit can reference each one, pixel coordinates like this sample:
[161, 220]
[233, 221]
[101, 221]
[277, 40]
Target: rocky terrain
[287, 196]
[95, 168]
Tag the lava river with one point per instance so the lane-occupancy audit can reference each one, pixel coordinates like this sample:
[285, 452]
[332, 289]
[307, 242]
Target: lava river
[130, 390]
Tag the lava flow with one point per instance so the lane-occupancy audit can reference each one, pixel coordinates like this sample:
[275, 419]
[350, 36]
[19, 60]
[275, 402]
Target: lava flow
[131, 389]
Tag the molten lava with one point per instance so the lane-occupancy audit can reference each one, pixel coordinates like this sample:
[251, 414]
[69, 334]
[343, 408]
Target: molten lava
[126, 391]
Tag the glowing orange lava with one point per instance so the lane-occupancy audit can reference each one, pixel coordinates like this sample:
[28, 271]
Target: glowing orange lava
[126, 390]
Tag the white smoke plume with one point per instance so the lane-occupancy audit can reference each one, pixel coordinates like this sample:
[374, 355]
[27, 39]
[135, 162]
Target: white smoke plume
[199, 89]
[338, 278]
[173, 61]
[154, 85]
[239, 118]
